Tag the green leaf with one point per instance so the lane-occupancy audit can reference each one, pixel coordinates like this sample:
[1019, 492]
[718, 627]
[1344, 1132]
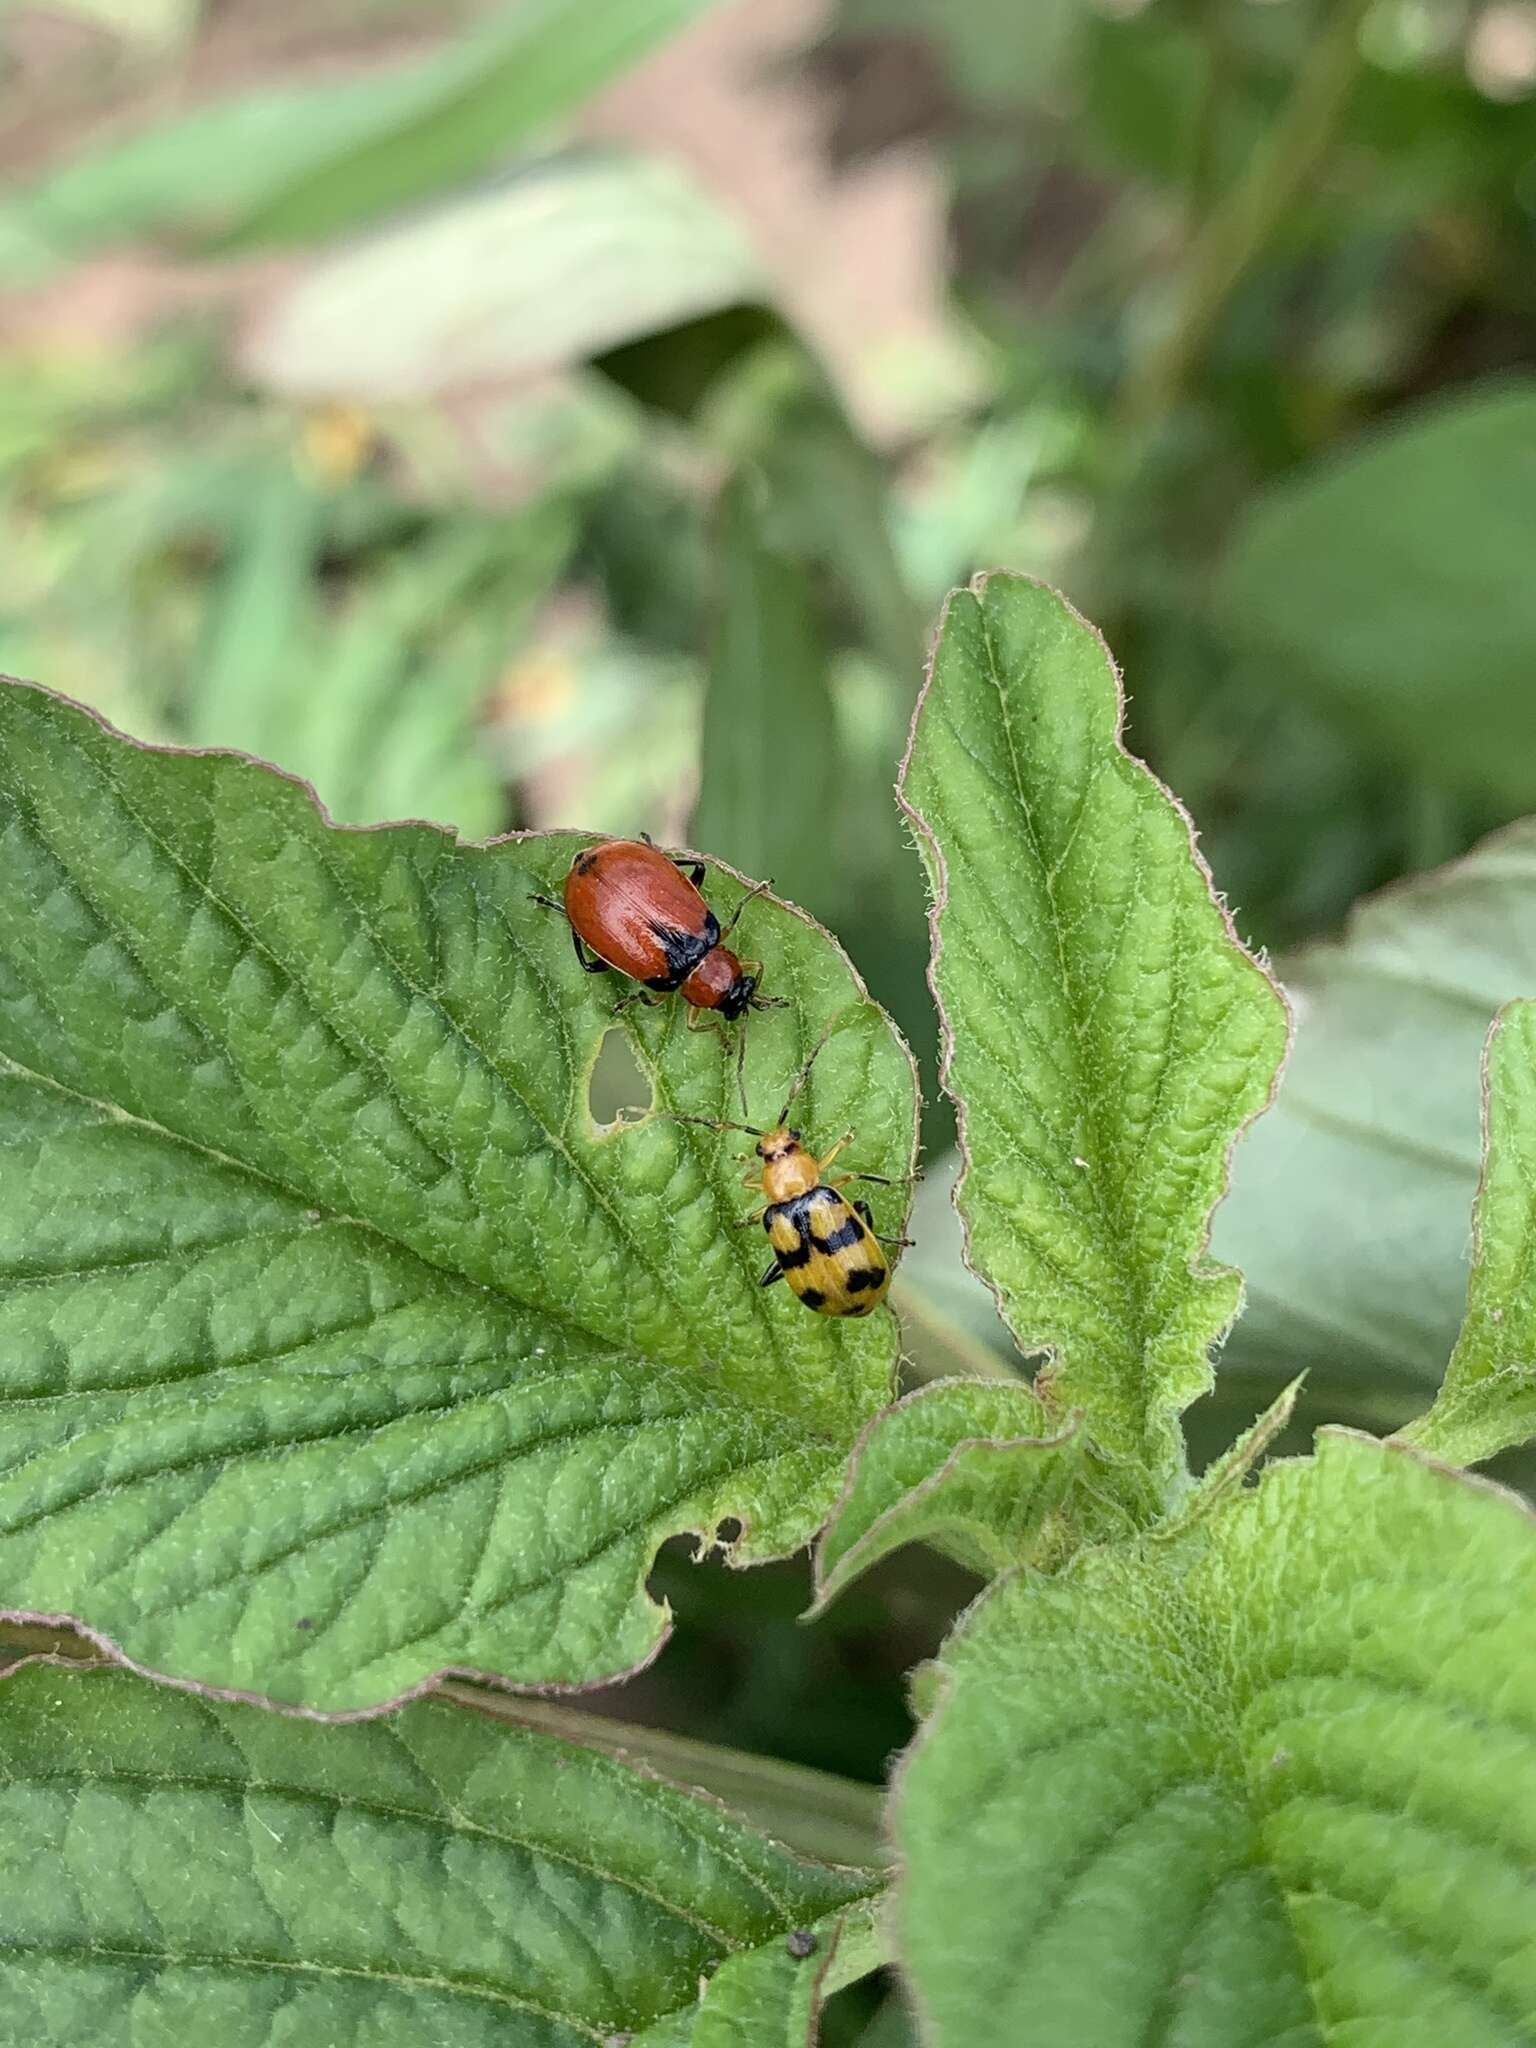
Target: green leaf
[975, 1466]
[340, 1344]
[1274, 1788]
[292, 163]
[172, 1868]
[1413, 552]
[1106, 1035]
[1350, 1199]
[814, 1812]
[1488, 1401]
[608, 246]
[769, 757]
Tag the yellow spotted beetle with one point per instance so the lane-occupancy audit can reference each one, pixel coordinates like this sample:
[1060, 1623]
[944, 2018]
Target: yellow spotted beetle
[826, 1247]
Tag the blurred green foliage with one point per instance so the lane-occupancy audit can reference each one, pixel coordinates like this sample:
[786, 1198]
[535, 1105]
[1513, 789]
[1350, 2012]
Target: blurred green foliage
[524, 488]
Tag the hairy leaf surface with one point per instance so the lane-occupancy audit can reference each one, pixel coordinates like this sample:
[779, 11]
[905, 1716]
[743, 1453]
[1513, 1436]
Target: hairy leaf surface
[1269, 1788]
[976, 1466]
[1488, 1401]
[172, 1868]
[338, 1343]
[1106, 1035]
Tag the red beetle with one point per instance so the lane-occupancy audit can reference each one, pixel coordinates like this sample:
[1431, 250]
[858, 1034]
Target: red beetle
[634, 909]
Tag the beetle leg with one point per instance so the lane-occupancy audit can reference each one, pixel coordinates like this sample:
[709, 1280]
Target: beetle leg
[693, 869]
[548, 902]
[823, 1164]
[592, 966]
[702, 1020]
[774, 1272]
[636, 995]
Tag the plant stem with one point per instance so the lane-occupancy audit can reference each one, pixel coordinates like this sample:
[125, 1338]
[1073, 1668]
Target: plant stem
[1236, 231]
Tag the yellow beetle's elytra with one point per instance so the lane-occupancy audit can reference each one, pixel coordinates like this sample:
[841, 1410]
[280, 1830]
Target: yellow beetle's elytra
[828, 1254]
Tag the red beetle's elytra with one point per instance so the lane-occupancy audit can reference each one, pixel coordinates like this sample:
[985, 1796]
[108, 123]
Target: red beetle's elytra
[634, 910]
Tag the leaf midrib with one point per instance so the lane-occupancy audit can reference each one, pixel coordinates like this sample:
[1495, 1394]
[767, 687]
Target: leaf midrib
[1137, 1336]
[453, 1824]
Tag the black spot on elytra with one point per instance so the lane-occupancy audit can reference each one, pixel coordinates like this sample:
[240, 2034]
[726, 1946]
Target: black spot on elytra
[585, 863]
[813, 1297]
[792, 1213]
[862, 1277]
[848, 1232]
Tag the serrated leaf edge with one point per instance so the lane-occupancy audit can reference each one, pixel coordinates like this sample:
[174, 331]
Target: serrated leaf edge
[827, 1585]
[1200, 1264]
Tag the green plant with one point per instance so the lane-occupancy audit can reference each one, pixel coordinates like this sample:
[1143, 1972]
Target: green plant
[344, 1349]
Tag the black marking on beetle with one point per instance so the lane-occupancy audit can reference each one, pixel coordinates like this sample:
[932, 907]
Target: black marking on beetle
[862, 1277]
[774, 1272]
[585, 862]
[792, 1212]
[801, 1943]
[850, 1231]
[684, 951]
[856, 1308]
[813, 1297]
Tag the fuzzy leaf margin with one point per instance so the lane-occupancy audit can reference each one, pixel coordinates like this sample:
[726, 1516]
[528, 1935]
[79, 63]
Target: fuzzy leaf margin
[1269, 1787]
[1488, 1401]
[339, 1345]
[1106, 1035]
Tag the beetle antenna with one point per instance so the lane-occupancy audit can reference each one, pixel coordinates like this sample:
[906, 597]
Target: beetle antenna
[741, 1063]
[757, 889]
[805, 1071]
[708, 1123]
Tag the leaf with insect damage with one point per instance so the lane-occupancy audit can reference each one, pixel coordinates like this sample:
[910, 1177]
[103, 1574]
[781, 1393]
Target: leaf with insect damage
[339, 1343]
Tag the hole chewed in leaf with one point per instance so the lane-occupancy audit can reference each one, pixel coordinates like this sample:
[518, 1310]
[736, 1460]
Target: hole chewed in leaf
[619, 1090]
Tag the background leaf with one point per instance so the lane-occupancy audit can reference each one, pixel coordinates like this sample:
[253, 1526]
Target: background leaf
[378, 705]
[170, 1865]
[1279, 1788]
[1488, 1401]
[340, 1343]
[1106, 1035]
[297, 162]
[1393, 584]
[976, 1466]
[1350, 1203]
[768, 763]
[607, 246]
